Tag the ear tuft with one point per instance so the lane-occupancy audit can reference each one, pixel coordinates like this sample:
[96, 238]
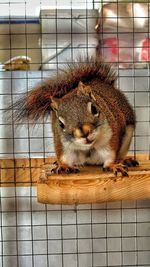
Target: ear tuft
[54, 104]
[83, 89]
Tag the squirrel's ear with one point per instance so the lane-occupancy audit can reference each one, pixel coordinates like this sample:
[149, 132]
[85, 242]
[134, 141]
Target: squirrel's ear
[85, 90]
[54, 104]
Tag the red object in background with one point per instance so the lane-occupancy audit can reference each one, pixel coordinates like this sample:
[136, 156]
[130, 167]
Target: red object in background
[115, 50]
[113, 44]
[122, 33]
[145, 52]
[111, 49]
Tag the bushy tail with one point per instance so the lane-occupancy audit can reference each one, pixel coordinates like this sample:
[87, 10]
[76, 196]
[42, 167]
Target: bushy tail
[36, 103]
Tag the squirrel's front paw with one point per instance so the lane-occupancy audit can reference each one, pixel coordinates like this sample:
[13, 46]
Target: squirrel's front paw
[61, 169]
[117, 168]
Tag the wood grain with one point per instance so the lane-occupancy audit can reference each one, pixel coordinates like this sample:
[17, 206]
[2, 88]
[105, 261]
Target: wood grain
[93, 186]
[21, 172]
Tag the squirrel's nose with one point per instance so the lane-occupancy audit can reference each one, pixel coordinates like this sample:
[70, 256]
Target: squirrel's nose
[86, 129]
[83, 131]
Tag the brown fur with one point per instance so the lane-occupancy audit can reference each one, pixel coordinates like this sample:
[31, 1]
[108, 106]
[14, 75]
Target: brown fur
[36, 103]
[68, 95]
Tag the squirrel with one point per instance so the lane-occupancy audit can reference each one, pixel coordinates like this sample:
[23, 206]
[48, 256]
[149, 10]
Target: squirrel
[92, 120]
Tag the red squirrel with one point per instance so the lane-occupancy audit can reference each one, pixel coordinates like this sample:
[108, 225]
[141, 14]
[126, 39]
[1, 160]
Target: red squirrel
[92, 120]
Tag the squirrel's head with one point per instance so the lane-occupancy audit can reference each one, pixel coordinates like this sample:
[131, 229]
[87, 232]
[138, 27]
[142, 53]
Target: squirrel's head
[79, 118]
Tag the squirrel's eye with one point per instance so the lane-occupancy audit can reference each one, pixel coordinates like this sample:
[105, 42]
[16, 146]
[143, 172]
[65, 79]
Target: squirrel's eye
[92, 108]
[61, 123]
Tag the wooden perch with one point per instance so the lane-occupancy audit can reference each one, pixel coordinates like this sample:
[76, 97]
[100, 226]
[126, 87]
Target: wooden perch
[92, 185]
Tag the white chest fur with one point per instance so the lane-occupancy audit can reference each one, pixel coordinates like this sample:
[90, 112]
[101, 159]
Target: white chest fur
[93, 157]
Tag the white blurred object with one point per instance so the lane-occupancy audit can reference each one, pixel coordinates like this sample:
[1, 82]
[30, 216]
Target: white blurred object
[17, 63]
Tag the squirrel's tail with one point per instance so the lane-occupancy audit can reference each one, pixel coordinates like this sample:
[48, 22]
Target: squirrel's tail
[36, 103]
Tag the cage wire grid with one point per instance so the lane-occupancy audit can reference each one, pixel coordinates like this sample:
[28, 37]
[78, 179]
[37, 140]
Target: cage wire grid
[32, 234]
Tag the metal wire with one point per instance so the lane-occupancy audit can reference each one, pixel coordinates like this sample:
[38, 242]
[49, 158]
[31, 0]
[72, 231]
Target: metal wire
[32, 234]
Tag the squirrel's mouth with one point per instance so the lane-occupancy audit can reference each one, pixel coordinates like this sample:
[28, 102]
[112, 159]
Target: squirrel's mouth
[84, 142]
[88, 142]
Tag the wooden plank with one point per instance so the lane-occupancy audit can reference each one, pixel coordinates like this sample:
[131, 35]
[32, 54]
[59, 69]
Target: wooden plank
[21, 171]
[95, 190]
[27, 171]
[92, 185]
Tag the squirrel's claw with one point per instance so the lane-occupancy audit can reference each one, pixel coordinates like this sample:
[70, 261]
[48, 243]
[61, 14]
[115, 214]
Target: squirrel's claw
[55, 163]
[64, 170]
[117, 168]
[129, 162]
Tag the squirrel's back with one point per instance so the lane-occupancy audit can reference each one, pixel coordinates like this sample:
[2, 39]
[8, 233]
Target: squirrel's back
[115, 101]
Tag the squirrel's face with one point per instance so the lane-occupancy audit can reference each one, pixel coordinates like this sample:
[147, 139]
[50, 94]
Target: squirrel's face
[79, 120]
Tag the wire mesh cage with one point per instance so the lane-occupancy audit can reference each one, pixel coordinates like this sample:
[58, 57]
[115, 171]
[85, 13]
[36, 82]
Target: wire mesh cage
[37, 38]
